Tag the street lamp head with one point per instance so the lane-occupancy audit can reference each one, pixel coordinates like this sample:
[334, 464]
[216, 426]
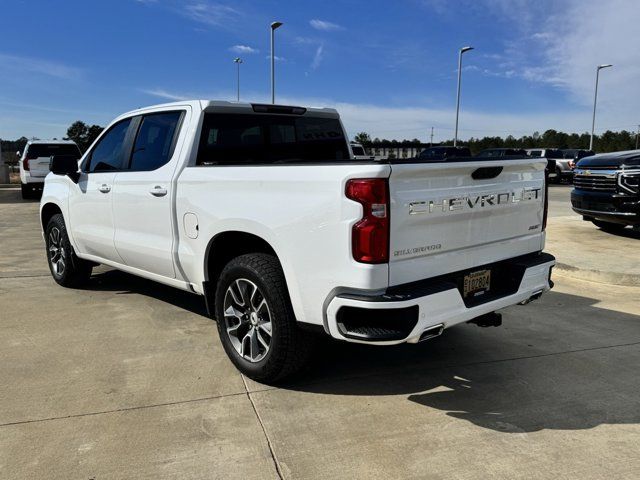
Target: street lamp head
[465, 49]
[237, 60]
[275, 25]
[605, 65]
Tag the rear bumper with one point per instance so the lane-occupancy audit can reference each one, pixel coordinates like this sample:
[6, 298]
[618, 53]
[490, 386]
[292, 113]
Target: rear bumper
[405, 313]
[27, 178]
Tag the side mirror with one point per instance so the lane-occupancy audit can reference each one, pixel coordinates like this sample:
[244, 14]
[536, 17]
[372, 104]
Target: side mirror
[65, 165]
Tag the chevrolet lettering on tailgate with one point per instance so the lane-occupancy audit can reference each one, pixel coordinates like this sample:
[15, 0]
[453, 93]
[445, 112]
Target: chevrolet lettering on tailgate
[477, 201]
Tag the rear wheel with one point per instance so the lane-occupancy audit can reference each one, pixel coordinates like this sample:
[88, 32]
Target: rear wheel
[256, 324]
[608, 226]
[66, 268]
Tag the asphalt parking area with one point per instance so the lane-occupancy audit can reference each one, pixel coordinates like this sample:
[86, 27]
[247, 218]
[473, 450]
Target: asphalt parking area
[127, 379]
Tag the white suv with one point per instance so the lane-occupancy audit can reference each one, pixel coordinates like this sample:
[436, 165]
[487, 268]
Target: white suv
[34, 162]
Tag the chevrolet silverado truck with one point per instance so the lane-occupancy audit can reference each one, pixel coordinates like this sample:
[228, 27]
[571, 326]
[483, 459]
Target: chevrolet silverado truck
[607, 190]
[263, 211]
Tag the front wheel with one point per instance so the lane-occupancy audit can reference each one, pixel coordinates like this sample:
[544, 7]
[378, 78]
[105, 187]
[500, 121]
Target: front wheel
[609, 227]
[66, 268]
[256, 324]
[558, 178]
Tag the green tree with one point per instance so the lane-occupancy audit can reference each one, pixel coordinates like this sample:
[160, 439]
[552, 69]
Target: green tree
[362, 138]
[78, 133]
[82, 134]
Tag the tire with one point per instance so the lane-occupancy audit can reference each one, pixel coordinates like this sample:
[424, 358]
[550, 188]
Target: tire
[256, 324]
[26, 192]
[66, 268]
[558, 178]
[609, 227]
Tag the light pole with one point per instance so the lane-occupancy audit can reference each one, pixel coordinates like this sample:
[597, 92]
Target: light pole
[238, 61]
[274, 26]
[462, 50]
[595, 100]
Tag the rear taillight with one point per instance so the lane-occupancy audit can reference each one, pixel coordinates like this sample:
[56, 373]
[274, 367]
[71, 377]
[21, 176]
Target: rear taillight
[370, 235]
[25, 164]
[572, 164]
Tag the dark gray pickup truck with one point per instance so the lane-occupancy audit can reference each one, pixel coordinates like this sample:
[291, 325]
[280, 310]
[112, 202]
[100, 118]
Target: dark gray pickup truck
[607, 189]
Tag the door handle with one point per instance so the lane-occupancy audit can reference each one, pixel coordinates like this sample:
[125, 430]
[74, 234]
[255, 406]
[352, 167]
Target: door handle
[158, 191]
[104, 188]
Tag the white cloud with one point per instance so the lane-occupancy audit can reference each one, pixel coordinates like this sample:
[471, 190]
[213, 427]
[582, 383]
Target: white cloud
[162, 93]
[324, 25]
[50, 68]
[317, 58]
[246, 49]
[209, 13]
[559, 44]
[277, 58]
[594, 32]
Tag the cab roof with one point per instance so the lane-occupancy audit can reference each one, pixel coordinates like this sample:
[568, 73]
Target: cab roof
[237, 107]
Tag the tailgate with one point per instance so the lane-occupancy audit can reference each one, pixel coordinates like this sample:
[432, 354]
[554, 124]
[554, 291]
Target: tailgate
[447, 217]
[39, 167]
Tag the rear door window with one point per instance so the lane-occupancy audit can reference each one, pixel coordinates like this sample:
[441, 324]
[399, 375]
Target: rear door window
[239, 139]
[155, 141]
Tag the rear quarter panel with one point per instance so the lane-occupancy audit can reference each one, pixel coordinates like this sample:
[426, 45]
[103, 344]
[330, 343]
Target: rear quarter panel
[300, 210]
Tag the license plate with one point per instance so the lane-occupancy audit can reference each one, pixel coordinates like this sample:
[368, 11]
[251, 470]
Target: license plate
[477, 283]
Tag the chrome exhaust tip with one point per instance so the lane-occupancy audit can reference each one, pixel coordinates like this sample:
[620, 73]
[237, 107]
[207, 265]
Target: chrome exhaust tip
[535, 296]
[432, 332]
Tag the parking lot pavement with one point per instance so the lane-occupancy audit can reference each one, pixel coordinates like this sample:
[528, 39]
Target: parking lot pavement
[128, 379]
[584, 251]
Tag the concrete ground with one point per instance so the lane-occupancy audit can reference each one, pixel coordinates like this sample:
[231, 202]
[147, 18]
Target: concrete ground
[584, 251]
[127, 379]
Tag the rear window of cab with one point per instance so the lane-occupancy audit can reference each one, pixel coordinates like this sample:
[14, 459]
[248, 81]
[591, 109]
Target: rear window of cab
[239, 139]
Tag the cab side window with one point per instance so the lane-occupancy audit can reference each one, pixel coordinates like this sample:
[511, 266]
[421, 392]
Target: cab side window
[155, 141]
[108, 154]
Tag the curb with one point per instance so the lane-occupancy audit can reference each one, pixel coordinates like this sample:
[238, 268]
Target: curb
[611, 278]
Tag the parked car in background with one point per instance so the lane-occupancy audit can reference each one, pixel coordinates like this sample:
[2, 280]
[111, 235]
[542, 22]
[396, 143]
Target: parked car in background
[263, 211]
[501, 153]
[359, 152]
[34, 162]
[553, 155]
[444, 152]
[606, 190]
[566, 165]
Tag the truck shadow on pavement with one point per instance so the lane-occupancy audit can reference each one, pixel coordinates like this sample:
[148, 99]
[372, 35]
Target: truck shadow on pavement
[125, 284]
[626, 233]
[559, 363]
[567, 365]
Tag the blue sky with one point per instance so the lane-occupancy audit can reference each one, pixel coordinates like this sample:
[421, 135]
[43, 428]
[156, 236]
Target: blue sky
[389, 67]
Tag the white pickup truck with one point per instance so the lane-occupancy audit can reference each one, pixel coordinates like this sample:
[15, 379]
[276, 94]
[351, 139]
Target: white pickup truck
[263, 210]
